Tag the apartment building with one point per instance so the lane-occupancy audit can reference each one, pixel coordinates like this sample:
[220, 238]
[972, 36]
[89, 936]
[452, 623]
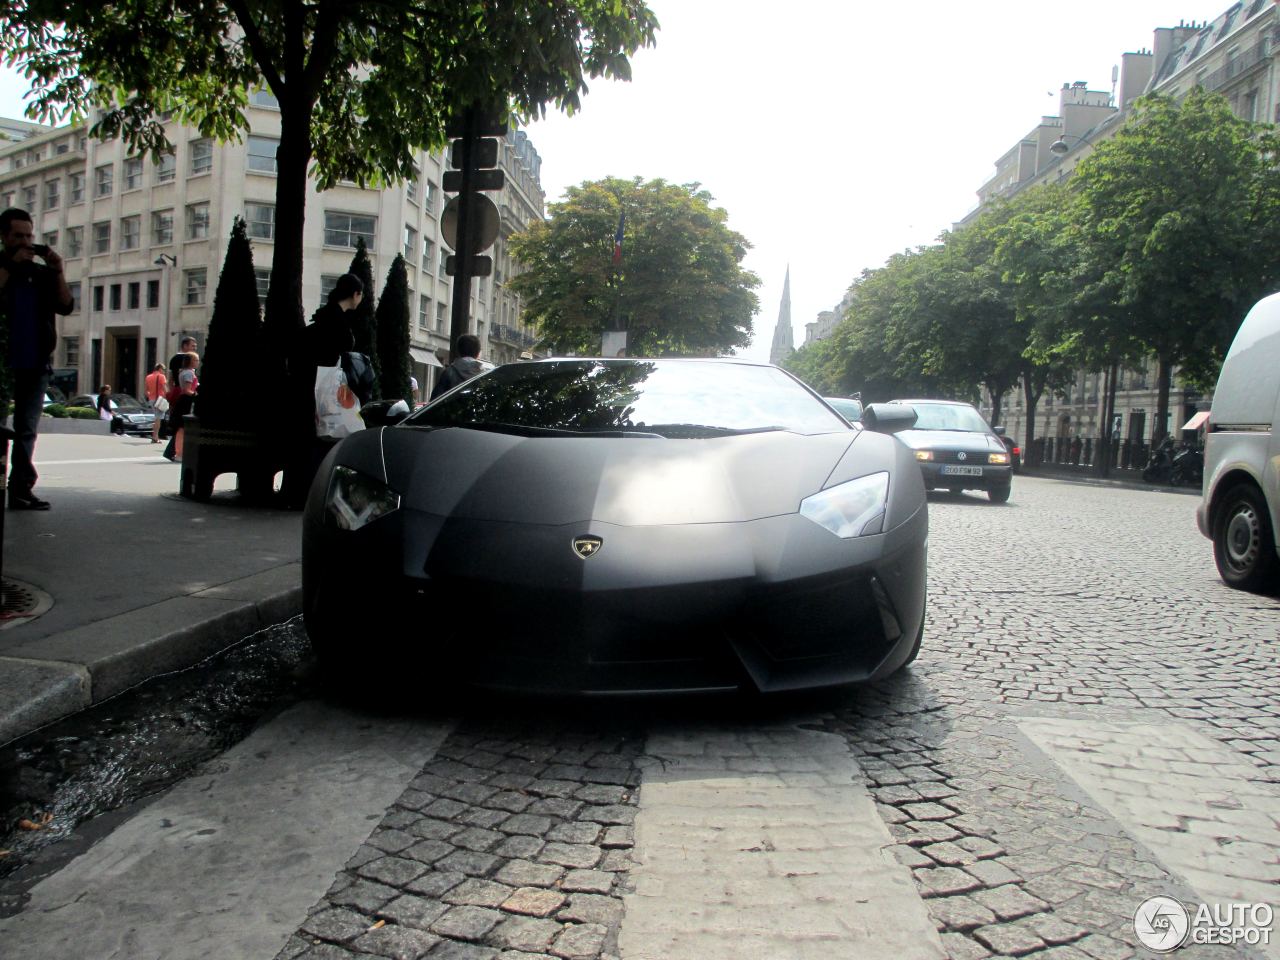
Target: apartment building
[1235, 55]
[144, 240]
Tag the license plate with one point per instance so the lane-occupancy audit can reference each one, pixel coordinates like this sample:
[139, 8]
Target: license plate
[951, 471]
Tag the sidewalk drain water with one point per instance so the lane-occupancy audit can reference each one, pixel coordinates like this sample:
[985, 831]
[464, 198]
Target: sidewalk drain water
[21, 603]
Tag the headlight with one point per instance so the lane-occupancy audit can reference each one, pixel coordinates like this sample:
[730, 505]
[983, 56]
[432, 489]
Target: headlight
[355, 499]
[1001, 458]
[853, 509]
[924, 454]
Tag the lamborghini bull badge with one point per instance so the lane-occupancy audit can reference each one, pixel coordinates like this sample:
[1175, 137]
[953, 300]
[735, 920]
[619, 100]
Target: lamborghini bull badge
[586, 546]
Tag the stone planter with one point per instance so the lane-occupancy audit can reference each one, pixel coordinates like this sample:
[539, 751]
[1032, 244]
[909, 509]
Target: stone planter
[254, 456]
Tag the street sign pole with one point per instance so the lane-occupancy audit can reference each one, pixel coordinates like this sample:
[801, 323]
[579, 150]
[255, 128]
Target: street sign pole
[460, 320]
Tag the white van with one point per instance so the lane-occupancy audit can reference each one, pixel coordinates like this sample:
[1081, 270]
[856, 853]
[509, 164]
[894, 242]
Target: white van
[1240, 508]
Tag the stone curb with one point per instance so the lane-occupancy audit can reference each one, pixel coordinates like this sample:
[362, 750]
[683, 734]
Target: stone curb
[48, 679]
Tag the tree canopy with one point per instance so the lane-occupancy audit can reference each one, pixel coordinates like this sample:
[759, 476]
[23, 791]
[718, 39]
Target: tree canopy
[1154, 251]
[360, 86]
[680, 288]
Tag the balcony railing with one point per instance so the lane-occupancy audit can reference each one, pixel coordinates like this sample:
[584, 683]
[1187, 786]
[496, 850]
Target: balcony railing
[1250, 58]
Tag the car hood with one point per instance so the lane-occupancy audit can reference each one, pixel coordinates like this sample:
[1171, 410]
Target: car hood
[950, 440]
[630, 481]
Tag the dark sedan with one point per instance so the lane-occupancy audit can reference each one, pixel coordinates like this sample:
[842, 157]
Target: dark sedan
[619, 525]
[128, 415]
[957, 449]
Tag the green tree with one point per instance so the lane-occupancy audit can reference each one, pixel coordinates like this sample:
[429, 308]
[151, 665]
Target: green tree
[363, 325]
[361, 86]
[680, 289]
[392, 324]
[1180, 213]
[230, 380]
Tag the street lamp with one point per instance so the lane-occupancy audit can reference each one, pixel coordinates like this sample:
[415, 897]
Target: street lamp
[1061, 148]
[167, 260]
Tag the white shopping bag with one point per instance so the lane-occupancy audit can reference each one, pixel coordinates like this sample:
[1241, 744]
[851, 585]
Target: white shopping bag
[337, 407]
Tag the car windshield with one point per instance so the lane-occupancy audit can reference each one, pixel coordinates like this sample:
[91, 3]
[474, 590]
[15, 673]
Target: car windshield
[684, 399]
[948, 416]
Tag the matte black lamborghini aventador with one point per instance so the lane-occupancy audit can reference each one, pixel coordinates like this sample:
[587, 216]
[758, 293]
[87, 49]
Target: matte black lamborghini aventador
[621, 525]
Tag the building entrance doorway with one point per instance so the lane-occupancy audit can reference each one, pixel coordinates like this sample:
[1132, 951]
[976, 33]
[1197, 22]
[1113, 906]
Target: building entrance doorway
[125, 369]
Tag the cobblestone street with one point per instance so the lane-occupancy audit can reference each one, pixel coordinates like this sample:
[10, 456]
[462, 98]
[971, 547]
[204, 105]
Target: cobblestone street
[1094, 720]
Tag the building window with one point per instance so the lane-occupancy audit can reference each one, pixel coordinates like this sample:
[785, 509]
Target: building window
[130, 233]
[135, 295]
[327, 282]
[75, 241]
[166, 167]
[197, 280]
[264, 98]
[6, 199]
[50, 238]
[343, 229]
[76, 188]
[424, 312]
[52, 191]
[29, 198]
[444, 262]
[262, 154]
[198, 221]
[410, 242]
[103, 179]
[429, 201]
[411, 188]
[153, 294]
[102, 238]
[263, 278]
[260, 220]
[71, 350]
[440, 316]
[115, 296]
[99, 294]
[75, 301]
[201, 157]
[133, 173]
[428, 255]
[162, 227]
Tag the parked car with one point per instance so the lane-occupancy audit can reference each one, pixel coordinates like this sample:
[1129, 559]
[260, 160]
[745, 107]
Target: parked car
[957, 450]
[1240, 503]
[592, 525]
[848, 407]
[1015, 452]
[53, 395]
[130, 416]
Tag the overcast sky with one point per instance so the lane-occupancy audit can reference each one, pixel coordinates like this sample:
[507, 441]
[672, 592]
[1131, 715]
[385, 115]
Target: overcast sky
[834, 132]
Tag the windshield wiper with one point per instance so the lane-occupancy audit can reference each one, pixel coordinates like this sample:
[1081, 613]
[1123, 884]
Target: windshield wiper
[704, 430]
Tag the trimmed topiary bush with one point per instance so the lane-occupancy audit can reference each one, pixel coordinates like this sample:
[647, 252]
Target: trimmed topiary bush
[231, 388]
[393, 334]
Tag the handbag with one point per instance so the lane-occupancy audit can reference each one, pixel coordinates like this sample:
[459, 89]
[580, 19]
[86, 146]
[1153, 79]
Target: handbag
[337, 406]
[160, 404]
[359, 373]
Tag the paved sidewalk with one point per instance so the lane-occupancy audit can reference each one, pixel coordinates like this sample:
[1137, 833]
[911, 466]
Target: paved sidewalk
[141, 581]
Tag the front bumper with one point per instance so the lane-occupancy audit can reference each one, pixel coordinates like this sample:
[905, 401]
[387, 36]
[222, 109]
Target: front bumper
[770, 605]
[992, 476]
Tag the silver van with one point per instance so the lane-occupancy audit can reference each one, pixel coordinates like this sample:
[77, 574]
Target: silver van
[1240, 507]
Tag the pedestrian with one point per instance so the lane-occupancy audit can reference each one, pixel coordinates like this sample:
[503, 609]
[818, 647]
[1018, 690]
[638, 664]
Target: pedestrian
[329, 334]
[177, 363]
[413, 389]
[465, 367]
[32, 295]
[188, 383]
[104, 402]
[157, 385]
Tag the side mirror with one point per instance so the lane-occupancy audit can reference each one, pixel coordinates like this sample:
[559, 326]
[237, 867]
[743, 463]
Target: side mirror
[383, 413]
[888, 417]
[998, 431]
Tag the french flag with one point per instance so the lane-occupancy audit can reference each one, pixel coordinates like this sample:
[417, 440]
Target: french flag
[617, 240]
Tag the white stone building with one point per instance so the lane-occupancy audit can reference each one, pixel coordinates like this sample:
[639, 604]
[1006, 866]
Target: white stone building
[144, 241]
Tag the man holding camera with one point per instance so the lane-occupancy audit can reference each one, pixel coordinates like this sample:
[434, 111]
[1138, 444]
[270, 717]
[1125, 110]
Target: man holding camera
[31, 295]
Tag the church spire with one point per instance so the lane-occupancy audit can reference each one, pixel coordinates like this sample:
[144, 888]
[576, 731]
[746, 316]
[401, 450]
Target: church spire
[783, 344]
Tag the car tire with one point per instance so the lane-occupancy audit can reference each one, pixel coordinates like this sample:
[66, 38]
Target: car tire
[1244, 547]
[1000, 494]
